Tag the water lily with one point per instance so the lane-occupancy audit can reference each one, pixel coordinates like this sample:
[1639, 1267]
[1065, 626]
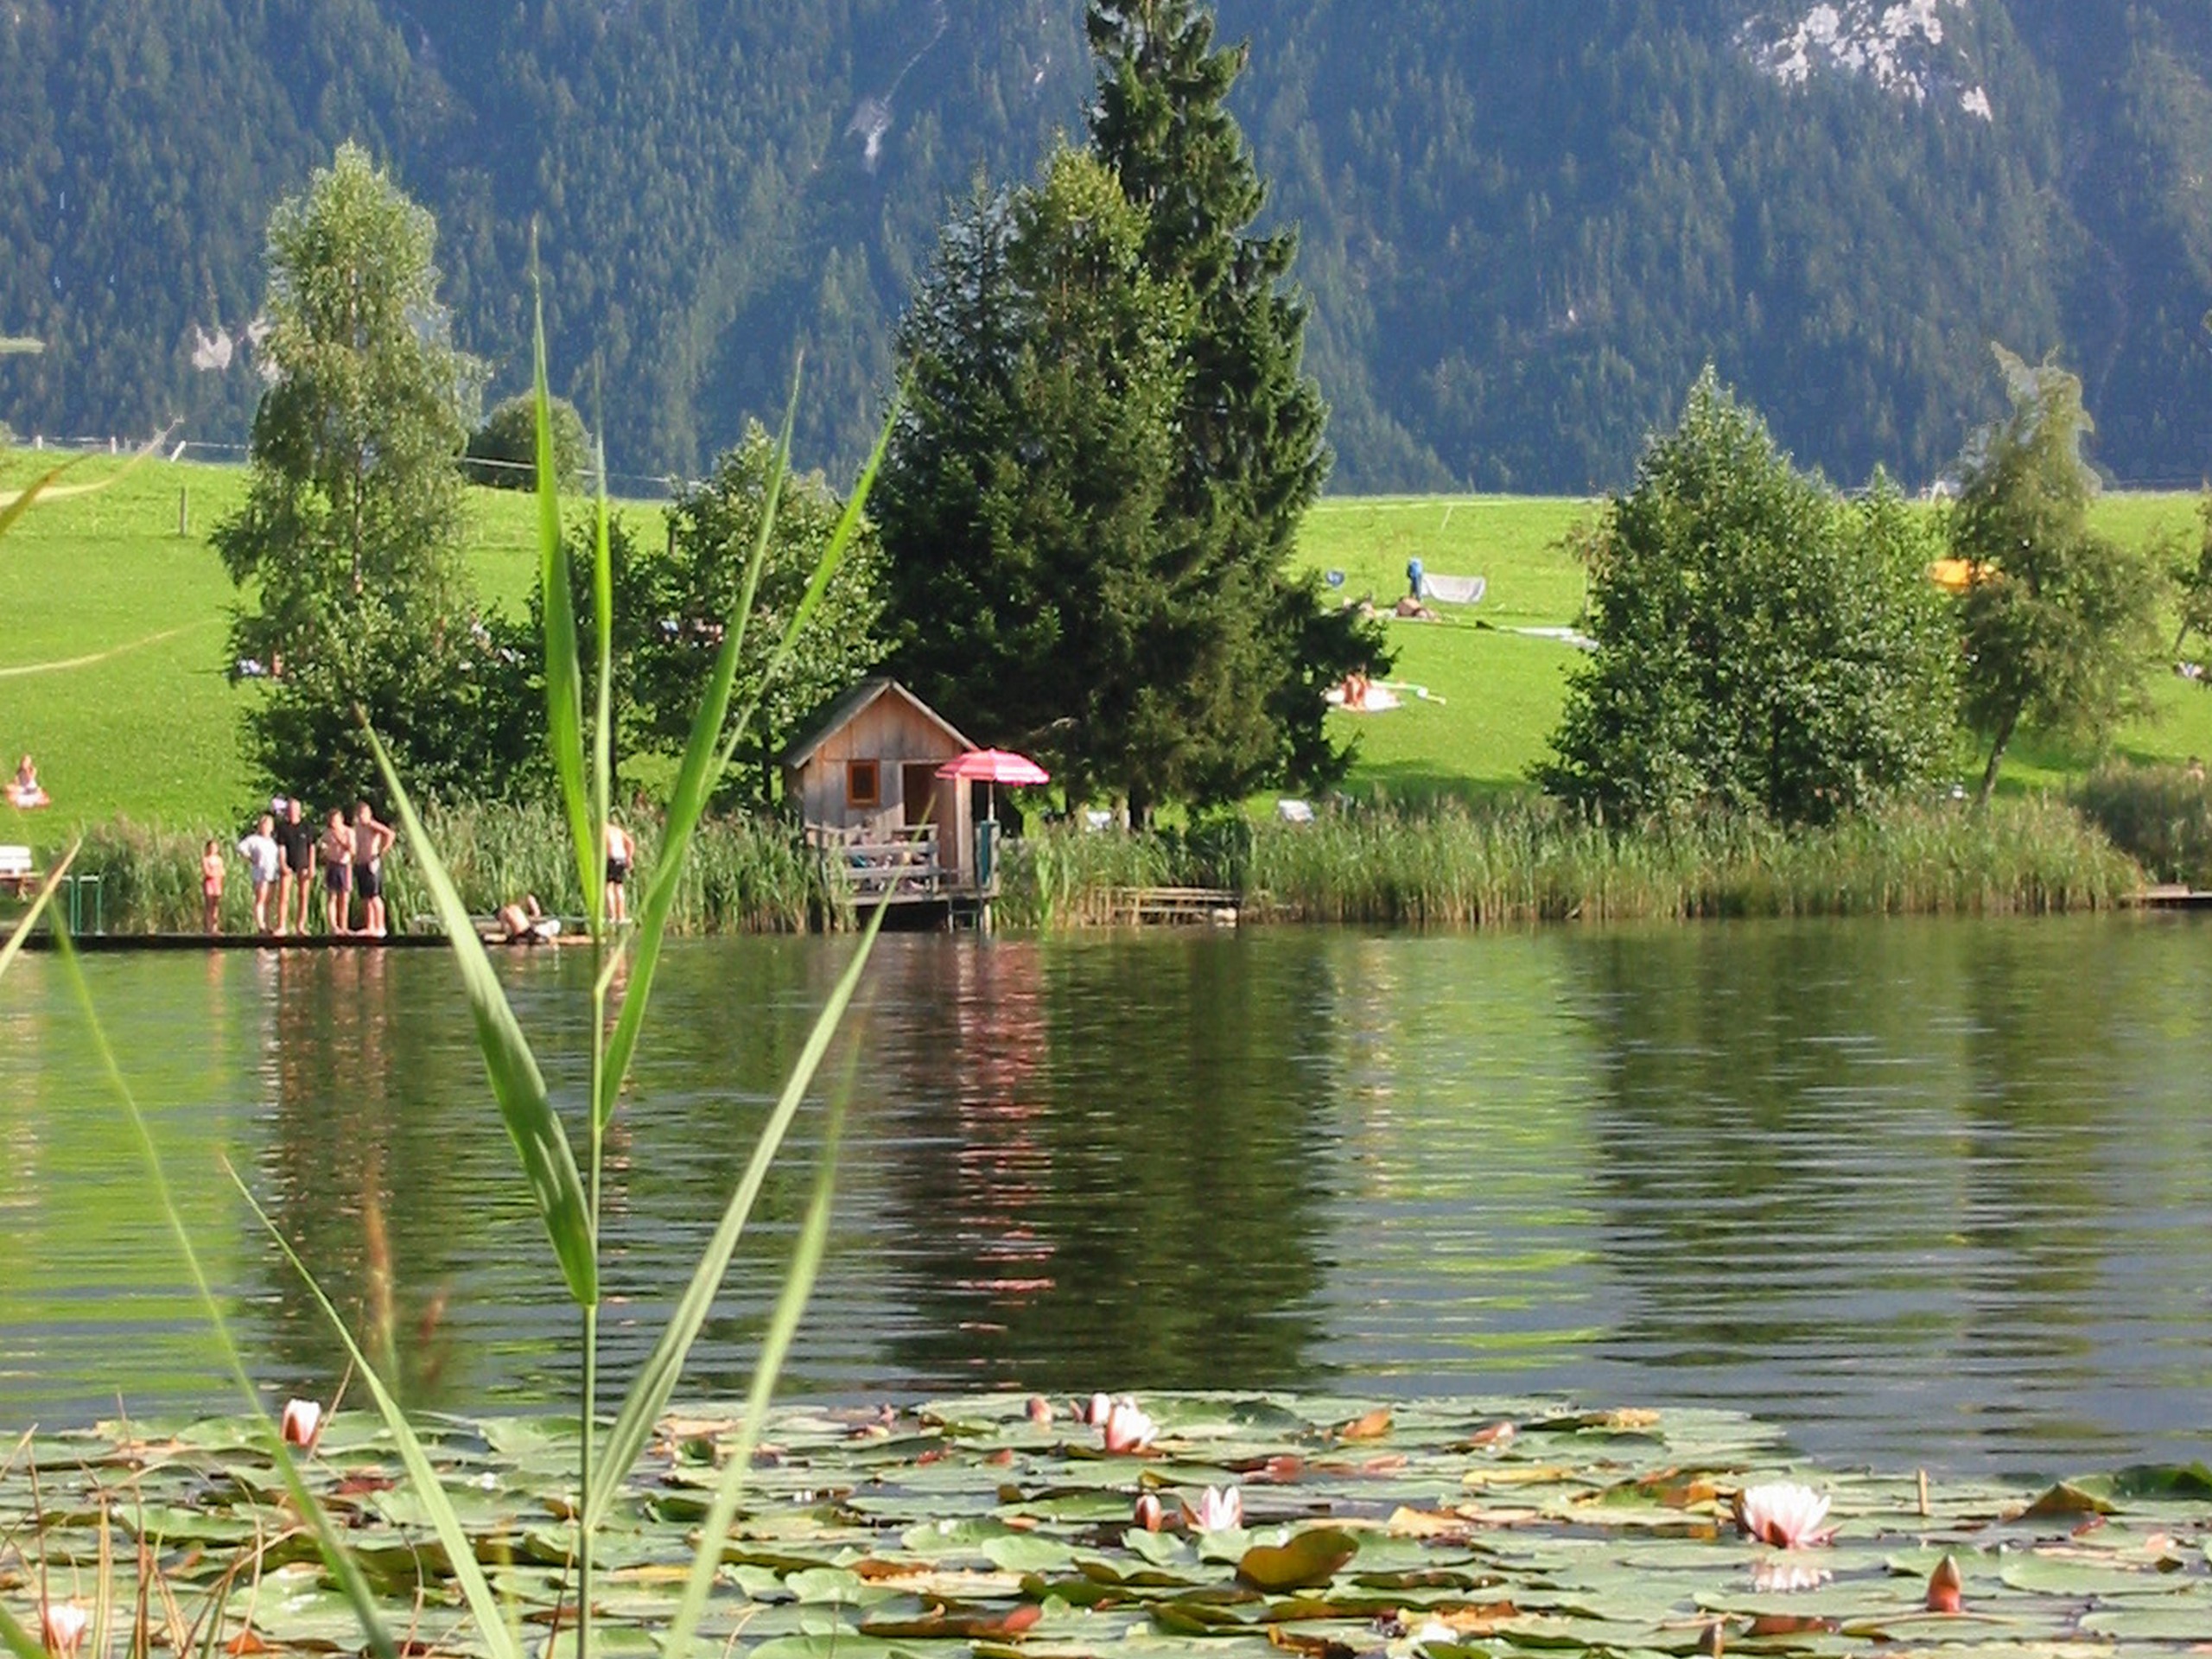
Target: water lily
[1095, 1413]
[1127, 1429]
[302, 1423]
[1221, 1510]
[1149, 1515]
[1784, 1513]
[1945, 1585]
[62, 1625]
[1040, 1410]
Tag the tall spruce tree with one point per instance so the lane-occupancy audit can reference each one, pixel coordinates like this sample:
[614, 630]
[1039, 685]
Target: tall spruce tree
[1252, 456]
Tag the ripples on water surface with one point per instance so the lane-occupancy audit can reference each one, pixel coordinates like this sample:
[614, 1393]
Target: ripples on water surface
[1923, 1193]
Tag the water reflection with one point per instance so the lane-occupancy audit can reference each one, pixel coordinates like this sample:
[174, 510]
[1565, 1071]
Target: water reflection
[1923, 1193]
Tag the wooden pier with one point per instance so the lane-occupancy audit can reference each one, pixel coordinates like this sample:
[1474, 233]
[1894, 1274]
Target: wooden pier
[2172, 896]
[1172, 907]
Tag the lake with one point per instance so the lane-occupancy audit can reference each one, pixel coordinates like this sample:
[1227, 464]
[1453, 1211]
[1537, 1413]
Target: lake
[1922, 1193]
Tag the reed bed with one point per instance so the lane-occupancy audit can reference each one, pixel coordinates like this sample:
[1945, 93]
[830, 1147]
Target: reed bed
[1526, 860]
[1516, 861]
[745, 875]
[2161, 816]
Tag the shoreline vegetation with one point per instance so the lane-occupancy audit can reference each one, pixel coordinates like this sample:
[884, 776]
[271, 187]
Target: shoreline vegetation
[1514, 861]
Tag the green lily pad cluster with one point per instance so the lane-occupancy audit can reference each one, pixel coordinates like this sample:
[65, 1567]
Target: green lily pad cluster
[1438, 1529]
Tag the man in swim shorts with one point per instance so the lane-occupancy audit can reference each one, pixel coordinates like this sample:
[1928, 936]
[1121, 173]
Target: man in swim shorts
[371, 840]
[295, 839]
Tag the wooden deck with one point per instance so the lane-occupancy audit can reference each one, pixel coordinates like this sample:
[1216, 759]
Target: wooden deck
[43, 940]
[2172, 897]
[1138, 907]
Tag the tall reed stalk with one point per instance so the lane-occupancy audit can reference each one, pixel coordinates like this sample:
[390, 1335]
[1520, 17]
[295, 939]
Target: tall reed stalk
[567, 1191]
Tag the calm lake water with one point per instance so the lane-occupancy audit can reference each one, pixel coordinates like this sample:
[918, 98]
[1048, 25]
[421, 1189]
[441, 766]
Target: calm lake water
[1921, 1192]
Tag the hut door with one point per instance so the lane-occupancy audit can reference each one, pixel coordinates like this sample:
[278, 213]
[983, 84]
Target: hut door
[918, 788]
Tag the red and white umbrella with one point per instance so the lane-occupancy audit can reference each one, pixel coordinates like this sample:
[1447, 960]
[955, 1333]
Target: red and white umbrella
[993, 767]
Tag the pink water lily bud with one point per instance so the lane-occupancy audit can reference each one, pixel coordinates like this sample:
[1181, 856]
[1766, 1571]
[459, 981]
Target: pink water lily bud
[62, 1625]
[1946, 1587]
[1217, 1511]
[1040, 1410]
[1095, 1413]
[1127, 1429]
[1784, 1513]
[302, 1423]
[1149, 1515]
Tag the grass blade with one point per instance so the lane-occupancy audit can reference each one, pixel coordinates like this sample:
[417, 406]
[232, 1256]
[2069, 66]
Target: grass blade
[704, 762]
[656, 1378]
[564, 692]
[22, 931]
[548, 1161]
[335, 1556]
[460, 1550]
[798, 1285]
[14, 506]
[602, 605]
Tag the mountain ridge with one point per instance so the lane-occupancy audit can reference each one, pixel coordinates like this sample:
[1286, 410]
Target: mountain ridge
[1524, 227]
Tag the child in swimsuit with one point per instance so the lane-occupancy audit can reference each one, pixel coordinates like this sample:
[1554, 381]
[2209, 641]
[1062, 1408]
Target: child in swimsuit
[336, 851]
[210, 888]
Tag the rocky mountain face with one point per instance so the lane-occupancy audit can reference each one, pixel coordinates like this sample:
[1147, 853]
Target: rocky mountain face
[1525, 226]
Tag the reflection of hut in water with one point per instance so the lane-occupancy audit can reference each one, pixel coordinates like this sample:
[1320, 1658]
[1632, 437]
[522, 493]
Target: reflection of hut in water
[863, 774]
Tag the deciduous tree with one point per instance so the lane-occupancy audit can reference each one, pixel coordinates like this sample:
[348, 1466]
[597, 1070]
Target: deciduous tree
[348, 549]
[1764, 647]
[2060, 627]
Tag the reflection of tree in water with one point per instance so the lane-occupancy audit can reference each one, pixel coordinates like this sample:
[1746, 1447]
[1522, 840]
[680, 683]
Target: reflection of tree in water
[1115, 1167]
[359, 1173]
[1845, 1157]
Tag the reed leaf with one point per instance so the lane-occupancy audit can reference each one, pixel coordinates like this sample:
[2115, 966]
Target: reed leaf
[548, 1161]
[17, 1640]
[703, 759]
[460, 1550]
[47, 889]
[335, 1556]
[564, 693]
[14, 506]
[602, 605]
[656, 1378]
[841, 540]
[790, 1303]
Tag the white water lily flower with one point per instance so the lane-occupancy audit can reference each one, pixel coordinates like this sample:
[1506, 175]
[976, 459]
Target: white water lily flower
[1126, 1428]
[62, 1626]
[1221, 1510]
[1784, 1513]
[1149, 1515]
[301, 1422]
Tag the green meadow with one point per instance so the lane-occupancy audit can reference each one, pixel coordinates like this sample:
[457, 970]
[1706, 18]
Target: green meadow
[112, 652]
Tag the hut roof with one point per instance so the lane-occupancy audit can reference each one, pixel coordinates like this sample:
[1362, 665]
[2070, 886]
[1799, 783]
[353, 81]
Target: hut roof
[848, 706]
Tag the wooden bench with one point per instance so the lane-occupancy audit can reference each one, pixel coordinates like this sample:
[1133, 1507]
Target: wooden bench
[17, 874]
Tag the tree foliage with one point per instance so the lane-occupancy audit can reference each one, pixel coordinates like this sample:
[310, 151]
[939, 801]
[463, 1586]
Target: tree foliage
[1091, 494]
[670, 604]
[503, 451]
[2061, 625]
[1764, 647]
[347, 548]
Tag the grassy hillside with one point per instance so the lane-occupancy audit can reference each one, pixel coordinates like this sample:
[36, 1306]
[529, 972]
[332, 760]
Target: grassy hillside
[111, 654]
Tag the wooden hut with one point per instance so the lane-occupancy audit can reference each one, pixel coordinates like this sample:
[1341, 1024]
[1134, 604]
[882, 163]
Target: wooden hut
[864, 779]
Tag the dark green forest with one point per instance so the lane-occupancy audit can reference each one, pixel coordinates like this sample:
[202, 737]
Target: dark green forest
[1524, 226]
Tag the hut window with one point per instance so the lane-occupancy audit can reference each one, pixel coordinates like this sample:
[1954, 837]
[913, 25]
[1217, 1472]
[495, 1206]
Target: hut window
[863, 783]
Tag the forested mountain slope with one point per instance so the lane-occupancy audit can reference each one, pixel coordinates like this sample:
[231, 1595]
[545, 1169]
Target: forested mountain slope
[1525, 224]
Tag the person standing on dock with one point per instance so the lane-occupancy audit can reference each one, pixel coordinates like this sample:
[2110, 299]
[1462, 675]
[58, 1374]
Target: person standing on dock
[264, 866]
[295, 836]
[335, 849]
[371, 840]
[621, 853]
[211, 887]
